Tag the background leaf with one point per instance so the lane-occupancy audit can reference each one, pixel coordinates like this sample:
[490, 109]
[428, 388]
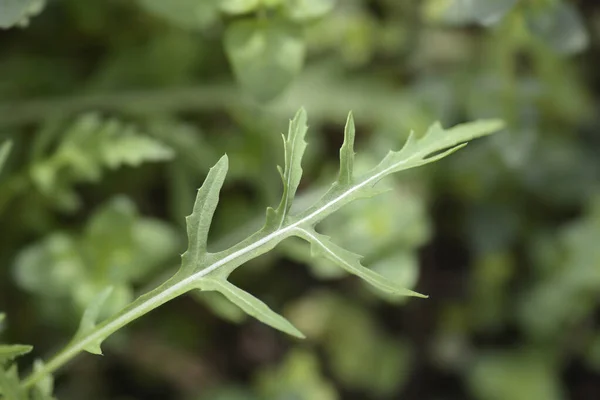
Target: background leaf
[265, 56]
[18, 12]
[560, 26]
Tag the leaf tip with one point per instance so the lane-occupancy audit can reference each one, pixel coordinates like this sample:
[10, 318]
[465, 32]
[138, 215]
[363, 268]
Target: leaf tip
[296, 333]
[224, 160]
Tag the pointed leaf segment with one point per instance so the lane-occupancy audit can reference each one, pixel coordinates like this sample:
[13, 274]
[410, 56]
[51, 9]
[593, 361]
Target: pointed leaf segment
[89, 319]
[207, 271]
[198, 223]
[294, 146]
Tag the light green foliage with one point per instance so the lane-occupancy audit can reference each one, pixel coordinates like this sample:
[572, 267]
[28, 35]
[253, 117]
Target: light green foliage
[10, 387]
[571, 272]
[378, 362]
[89, 146]
[118, 248]
[201, 269]
[297, 378]
[10, 384]
[518, 376]
[18, 12]
[560, 25]
[265, 56]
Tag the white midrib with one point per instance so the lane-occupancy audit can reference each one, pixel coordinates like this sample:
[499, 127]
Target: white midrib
[104, 331]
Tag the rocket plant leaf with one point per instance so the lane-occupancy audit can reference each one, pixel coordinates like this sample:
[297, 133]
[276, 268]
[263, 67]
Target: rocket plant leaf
[206, 271]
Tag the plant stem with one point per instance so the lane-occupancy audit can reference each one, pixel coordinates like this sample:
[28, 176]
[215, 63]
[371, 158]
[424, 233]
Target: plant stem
[141, 306]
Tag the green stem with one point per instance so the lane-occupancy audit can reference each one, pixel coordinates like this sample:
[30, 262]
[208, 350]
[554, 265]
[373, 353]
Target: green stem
[141, 306]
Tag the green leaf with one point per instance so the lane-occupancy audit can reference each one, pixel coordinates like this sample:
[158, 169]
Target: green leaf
[198, 223]
[299, 377]
[515, 376]
[265, 55]
[12, 351]
[294, 147]
[304, 10]
[89, 319]
[133, 150]
[187, 14]
[220, 306]
[90, 145]
[346, 175]
[10, 386]
[18, 12]
[436, 144]
[208, 271]
[239, 6]
[322, 246]
[4, 150]
[250, 305]
[560, 26]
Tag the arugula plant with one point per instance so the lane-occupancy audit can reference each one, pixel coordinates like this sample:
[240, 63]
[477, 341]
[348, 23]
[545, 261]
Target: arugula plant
[208, 272]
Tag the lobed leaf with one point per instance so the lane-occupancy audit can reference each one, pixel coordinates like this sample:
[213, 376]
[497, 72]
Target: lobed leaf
[198, 223]
[294, 147]
[12, 351]
[437, 143]
[346, 174]
[251, 305]
[322, 246]
[208, 271]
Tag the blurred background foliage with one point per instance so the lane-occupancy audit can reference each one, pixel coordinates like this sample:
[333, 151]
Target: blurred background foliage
[117, 108]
